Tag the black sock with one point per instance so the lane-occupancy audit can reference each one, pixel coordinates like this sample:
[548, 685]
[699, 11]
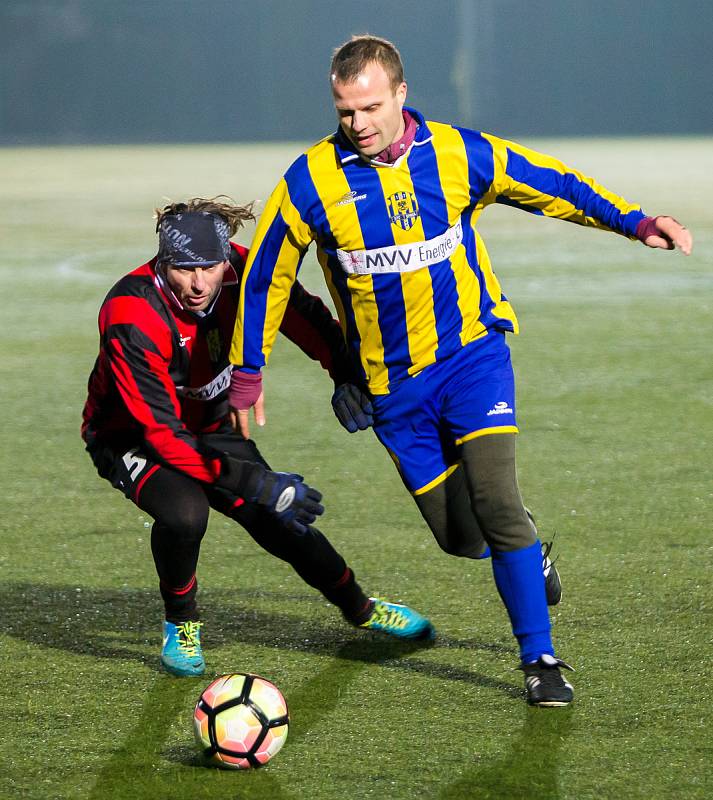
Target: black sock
[348, 596]
[180, 602]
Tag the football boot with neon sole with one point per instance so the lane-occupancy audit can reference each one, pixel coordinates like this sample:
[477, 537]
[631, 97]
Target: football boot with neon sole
[544, 683]
[397, 620]
[553, 584]
[182, 654]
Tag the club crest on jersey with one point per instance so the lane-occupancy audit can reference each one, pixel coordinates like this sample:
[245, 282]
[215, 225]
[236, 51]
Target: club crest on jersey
[403, 209]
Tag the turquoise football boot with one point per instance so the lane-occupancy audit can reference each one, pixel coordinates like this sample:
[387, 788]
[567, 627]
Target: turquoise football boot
[182, 654]
[397, 620]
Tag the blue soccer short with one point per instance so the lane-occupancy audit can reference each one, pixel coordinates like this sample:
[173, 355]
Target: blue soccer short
[425, 418]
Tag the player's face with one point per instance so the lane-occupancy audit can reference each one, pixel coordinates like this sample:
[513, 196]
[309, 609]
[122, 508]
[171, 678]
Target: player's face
[196, 287]
[369, 110]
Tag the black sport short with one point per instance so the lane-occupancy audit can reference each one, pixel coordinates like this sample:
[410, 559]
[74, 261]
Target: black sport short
[128, 469]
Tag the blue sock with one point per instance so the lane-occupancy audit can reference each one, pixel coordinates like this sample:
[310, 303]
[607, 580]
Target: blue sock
[521, 584]
[485, 554]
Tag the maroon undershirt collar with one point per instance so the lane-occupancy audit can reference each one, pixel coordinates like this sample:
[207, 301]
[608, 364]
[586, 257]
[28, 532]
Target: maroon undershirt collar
[396, 149]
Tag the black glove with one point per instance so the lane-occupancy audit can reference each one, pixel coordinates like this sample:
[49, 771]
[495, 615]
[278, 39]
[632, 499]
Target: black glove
[352, 407]
[283, 494]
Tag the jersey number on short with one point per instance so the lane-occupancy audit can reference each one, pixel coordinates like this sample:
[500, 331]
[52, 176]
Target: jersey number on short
[134, 463]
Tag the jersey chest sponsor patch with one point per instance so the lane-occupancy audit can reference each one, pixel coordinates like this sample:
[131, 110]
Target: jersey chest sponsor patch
[219, 384]
[402, 257]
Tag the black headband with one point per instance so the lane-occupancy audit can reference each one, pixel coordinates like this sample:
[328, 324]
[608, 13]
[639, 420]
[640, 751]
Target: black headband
[193, 239]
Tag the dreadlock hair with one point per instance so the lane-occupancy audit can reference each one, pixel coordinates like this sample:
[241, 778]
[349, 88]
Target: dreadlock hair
[221, 205]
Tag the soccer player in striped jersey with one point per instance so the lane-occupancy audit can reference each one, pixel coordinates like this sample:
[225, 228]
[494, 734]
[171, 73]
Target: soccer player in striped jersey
[156, 424]
[392, 201]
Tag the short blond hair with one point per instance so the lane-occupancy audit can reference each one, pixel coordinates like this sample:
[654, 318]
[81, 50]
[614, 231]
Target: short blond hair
[351, 59]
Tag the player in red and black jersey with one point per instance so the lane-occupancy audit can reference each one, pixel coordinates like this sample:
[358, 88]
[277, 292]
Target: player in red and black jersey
[157, 426]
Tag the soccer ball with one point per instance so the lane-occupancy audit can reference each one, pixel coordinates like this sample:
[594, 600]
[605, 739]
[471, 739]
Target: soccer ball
[240, 721]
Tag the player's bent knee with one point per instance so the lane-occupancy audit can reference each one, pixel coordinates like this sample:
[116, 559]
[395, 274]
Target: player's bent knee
[187, 524]
[451, 520]
[177, 504]
[461, 549]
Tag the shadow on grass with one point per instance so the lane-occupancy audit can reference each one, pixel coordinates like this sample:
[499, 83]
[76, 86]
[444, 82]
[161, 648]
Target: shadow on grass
[133, 770]
[530, 767]
[122, 624]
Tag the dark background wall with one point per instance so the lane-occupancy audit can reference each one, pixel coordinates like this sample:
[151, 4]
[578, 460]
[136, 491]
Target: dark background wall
[74, 71]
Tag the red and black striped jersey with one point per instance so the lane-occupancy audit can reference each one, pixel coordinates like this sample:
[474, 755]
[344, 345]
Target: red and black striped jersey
[162, 374]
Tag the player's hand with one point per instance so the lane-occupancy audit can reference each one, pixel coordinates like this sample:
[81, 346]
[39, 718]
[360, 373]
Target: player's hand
[352, 407]
[283, 494]
[246, 393]
[288, 497]
[666, 233]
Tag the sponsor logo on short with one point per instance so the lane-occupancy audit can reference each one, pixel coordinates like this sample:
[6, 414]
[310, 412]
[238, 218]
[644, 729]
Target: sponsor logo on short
[350, 197]
[500, 408]
[210, 390]
[404, 257]
[403, 209]
[284, 501]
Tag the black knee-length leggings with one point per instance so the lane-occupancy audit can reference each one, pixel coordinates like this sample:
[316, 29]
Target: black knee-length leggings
[180, 507]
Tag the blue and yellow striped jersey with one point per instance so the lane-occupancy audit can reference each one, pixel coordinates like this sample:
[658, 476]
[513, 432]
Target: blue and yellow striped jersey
[407, 270]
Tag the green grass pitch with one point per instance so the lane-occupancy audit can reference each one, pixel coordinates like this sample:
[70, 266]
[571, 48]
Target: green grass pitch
[615, 394]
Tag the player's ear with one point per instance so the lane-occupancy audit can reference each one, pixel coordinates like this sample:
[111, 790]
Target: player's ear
[401, 92]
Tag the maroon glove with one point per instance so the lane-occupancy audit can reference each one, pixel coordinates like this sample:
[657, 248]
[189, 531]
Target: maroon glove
[245, 388]
[647, 227]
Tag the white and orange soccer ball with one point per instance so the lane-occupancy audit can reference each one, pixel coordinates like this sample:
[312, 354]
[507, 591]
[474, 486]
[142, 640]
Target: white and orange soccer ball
[240, 721]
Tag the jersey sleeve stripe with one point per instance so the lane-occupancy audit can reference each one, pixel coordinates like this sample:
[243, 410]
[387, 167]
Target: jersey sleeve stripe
[149, 394]
[501, 199]
[560, 192]
[481, 164]
[281, 238]
[246, 348]
[138, 316]
[306, 200]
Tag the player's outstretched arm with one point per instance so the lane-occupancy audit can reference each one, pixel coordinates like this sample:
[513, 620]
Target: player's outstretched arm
[666, 233]
[283, 494]
[246, 393]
